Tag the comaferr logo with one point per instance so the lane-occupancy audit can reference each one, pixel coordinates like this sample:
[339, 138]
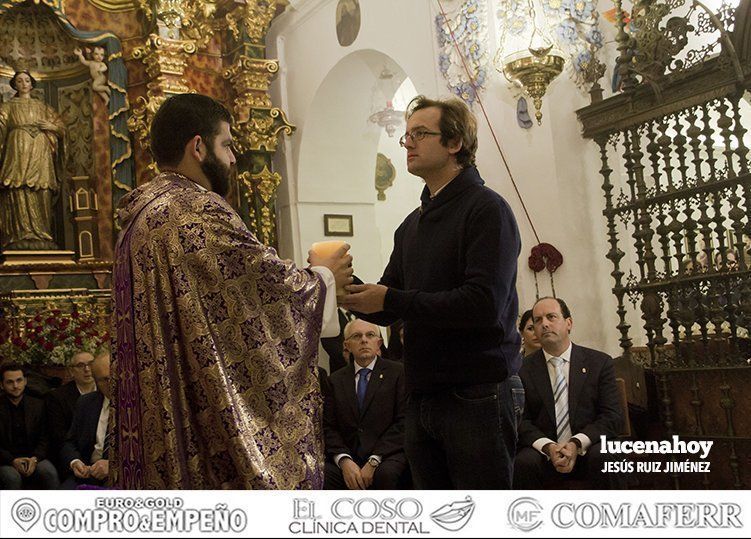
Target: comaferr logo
[659, 515]
[454, 516]
[525, 514]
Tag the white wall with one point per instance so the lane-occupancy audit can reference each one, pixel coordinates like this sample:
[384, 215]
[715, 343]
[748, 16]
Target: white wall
[328, 164]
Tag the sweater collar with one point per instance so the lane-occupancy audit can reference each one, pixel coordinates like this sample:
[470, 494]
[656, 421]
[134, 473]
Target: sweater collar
[466, 179]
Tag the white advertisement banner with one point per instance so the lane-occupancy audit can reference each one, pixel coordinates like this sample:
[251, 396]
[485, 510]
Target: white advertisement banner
[107, 513]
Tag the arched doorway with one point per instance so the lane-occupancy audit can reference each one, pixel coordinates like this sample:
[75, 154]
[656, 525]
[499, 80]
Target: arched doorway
[337, 163]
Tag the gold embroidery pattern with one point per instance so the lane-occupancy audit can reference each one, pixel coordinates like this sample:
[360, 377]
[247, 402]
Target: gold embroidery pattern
[226, 344]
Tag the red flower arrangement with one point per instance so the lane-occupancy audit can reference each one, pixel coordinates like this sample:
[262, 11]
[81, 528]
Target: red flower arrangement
[51, 338]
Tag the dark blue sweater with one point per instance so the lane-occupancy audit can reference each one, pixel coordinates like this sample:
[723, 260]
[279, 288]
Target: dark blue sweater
[452, 279]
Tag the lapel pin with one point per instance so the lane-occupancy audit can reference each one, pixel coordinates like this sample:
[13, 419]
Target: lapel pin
[584, 371]
[381, 377]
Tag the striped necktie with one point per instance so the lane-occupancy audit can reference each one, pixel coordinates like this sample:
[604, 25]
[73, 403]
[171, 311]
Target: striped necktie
[560, 393]
[106, 444]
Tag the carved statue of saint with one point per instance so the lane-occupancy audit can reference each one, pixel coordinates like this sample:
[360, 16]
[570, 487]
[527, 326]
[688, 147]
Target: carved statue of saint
[29, 133]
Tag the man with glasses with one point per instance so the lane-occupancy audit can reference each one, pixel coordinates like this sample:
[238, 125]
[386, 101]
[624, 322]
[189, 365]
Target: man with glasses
[86, 449]
[62, 401]
[452, 279]
[364, 416]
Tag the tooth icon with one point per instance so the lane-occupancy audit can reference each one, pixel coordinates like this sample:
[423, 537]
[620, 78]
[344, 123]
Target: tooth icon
[25, 513]
[454, 516]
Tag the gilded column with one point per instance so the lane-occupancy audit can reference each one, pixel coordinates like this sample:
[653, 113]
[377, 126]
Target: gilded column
[258, 123]
[165, 55]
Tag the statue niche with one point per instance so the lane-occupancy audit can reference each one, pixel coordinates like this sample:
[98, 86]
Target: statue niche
[47, 144]
[29, 178]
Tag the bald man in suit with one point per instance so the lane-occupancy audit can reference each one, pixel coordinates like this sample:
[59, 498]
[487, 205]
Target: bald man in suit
[364, 416]
[571, 400]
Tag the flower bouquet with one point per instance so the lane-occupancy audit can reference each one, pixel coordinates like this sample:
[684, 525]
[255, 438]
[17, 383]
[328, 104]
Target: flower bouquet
[50, 338]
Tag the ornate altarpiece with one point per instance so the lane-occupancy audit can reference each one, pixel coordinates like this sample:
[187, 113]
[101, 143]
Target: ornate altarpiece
[154, 49]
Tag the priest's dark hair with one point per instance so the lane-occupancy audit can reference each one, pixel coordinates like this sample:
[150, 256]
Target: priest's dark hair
[179, 119]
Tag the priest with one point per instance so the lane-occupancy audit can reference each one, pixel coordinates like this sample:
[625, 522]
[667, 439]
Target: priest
[214, 374]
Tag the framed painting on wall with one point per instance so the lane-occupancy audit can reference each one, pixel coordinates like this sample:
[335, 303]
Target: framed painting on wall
[337, 225]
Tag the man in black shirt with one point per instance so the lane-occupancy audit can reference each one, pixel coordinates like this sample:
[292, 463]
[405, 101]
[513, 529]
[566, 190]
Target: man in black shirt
[23, 436]
[452, 279]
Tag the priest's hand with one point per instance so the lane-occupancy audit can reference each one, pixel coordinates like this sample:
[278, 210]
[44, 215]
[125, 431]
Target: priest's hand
[339, 262]
[100, 469]
[364, 298]
[352, 476]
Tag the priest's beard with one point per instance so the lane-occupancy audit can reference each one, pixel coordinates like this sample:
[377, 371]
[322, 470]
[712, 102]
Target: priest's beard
[218, 174]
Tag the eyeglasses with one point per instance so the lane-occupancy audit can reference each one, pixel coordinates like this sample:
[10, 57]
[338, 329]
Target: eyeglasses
[370, 335]
[82, 366]
[416, 135]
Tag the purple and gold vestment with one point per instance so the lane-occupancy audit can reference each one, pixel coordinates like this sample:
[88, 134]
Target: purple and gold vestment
[214, 371]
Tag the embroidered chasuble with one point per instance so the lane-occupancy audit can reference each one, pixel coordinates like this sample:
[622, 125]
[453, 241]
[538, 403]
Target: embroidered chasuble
[214, 372]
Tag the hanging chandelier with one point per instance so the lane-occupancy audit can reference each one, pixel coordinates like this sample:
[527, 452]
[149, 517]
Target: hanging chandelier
[383, 92]
[527, 55]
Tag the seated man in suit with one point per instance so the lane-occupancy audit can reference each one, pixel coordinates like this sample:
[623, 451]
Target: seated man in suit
[62, 401]
[86, 446]
[23, 435]
[571, 400]
[364, 416]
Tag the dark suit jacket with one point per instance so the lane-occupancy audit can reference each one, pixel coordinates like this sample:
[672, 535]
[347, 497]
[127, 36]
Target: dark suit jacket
[594, 408]
[36, 429]
[334, 346]
[379, 429]
[60, 405]
[81, 438]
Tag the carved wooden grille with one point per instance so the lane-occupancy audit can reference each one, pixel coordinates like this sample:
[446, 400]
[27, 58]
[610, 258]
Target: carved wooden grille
[681, 208]
[674, 151]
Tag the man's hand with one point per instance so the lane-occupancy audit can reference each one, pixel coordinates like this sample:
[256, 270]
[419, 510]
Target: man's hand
[367, 472]
[80, 470]
[32, 466]
[100, 469]
[557, 459]
[21, 464]
[364, 298]
[340, 264]
[352, 476]
[569, 451]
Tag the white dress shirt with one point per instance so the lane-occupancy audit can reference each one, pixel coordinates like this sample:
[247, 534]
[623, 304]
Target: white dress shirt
[566, 367]
[101, 431]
